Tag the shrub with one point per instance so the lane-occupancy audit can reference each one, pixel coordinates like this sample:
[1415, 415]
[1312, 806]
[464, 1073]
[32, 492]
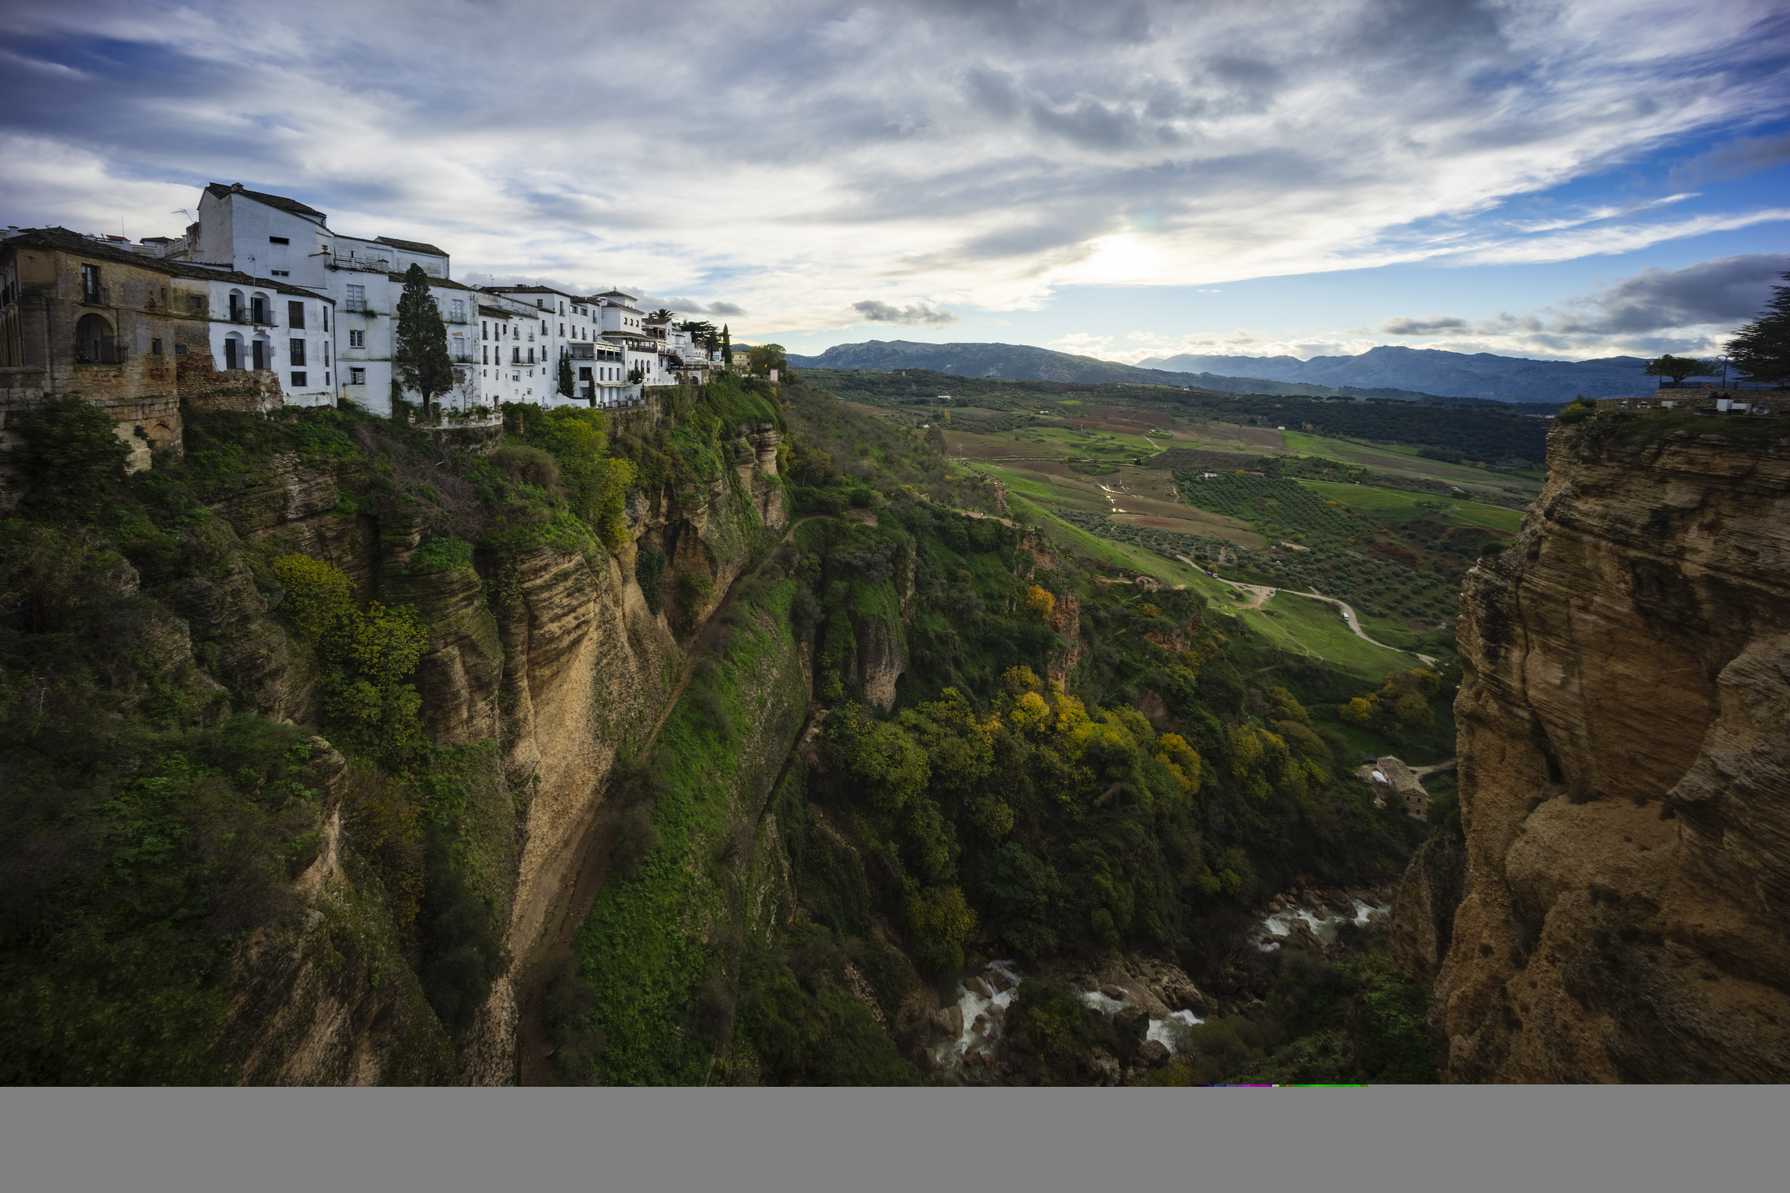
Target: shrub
[635, 839]
[440, 553]
[318, 595]
[530, 465]
[72, 459]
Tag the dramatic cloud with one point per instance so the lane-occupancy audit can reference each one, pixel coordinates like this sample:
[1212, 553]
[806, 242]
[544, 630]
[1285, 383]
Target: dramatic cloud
[1727, 292]
[1425, 327]
[774, 162]
[881, 312]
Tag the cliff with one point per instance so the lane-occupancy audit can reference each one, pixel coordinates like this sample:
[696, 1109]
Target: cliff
[1625, 775]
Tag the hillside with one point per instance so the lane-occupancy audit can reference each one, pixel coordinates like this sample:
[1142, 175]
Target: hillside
[714, 744]
[1022, 362]
[1432, 371]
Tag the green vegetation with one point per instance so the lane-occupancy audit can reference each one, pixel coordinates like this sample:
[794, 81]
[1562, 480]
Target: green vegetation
[1761, 349]
[642, 953]
[420, 361]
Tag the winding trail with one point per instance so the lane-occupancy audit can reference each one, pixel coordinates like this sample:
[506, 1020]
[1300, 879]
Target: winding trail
[572, 906]
[1259, 595]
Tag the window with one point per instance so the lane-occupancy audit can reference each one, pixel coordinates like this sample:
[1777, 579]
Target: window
[325, 318]
[357, 297]
[258, 308]
[357, 376]
[326, 352]
[562, 329]
[90, 283]
[233, 353]
[484, 354]
[155, 346]
[281, 273]
[326, 377]
[278, 240]
[298, 352]
[459, 347]
[298, 381]
[295, 315]
[484, 329]
[357, 339]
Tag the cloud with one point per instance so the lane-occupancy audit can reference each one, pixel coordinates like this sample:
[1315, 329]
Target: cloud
[1728, 291]
[1425, 327]
[984, 154]
[1732, 159]
[881, 312]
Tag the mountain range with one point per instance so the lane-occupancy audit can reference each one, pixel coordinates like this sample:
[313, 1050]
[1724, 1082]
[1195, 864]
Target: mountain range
[1378, 372]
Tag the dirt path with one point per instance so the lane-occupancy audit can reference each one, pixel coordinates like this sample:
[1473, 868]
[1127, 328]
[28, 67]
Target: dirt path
[1259, 595]
[571, 907]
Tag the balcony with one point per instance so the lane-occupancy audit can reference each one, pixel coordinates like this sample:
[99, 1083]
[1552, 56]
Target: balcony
[462, 358]
[252, 318]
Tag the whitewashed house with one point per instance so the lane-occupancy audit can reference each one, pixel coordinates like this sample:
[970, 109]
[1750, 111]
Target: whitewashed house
[257, 323]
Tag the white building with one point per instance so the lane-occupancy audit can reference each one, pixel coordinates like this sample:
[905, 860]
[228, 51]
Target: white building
[257, 323]
[506, 342]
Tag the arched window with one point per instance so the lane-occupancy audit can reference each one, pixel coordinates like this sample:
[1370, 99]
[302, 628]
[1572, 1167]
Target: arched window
[237, 312]
[233, 352]
[93, 341]
[258, 308]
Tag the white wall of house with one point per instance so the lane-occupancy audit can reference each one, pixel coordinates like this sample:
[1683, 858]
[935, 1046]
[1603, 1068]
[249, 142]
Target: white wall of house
[262, 241]
[244, 332]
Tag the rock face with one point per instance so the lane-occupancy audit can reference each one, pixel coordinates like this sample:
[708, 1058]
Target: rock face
[1625, 769]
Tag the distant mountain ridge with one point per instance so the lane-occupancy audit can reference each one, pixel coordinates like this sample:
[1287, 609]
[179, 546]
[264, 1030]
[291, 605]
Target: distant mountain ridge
[1022, 362]
[1431, 370]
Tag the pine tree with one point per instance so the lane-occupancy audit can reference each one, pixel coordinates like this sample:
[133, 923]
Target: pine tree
[726, 346]
[1761, 349]
[421, 354]
[565, 373]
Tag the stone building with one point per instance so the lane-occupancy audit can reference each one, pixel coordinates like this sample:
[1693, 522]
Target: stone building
[129, 332]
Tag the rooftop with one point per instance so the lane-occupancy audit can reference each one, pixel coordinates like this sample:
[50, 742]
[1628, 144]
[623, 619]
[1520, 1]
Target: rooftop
[280, 201]
[411, 246]
[68, 241]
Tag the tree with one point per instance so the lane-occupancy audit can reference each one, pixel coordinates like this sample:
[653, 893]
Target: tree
[421, 352]
[1761, 349]
[764, 358]
[726, 346]
[565, 373]
[663, 314]
[1677, 368]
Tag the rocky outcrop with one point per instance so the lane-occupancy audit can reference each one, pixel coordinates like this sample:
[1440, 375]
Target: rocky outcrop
[1423, 906]
[1624, 770]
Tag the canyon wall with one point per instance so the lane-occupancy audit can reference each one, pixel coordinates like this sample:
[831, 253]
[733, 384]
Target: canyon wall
[1624, 744]
[550, 663]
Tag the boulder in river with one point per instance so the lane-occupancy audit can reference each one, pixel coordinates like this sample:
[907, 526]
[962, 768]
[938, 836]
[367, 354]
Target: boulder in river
[979, 987]
[1153, 1053]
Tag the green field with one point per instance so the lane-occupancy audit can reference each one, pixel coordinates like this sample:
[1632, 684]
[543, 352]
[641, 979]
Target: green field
[1408, 462]
[1399, 505]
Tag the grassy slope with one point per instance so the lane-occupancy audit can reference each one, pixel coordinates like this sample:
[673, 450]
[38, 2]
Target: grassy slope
[644, 947]
[1406, 461]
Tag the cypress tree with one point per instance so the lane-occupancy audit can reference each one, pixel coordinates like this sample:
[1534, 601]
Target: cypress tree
[726, 346]
[1761, 349]
[421, 354]
[565, 373]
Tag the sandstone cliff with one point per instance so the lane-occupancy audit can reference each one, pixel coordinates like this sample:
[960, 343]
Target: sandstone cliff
[553, 656]
[1625, 770]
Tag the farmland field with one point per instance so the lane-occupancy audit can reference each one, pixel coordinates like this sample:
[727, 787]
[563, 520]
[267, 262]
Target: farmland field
[1146, 481]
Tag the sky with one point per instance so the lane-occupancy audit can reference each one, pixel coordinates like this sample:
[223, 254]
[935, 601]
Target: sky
[1127, 180]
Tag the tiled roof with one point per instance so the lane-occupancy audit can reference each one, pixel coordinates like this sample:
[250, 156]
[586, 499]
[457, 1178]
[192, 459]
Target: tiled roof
[69, 241]
[496, 312]
[280, 201]
[450, 283]
[410, 246]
